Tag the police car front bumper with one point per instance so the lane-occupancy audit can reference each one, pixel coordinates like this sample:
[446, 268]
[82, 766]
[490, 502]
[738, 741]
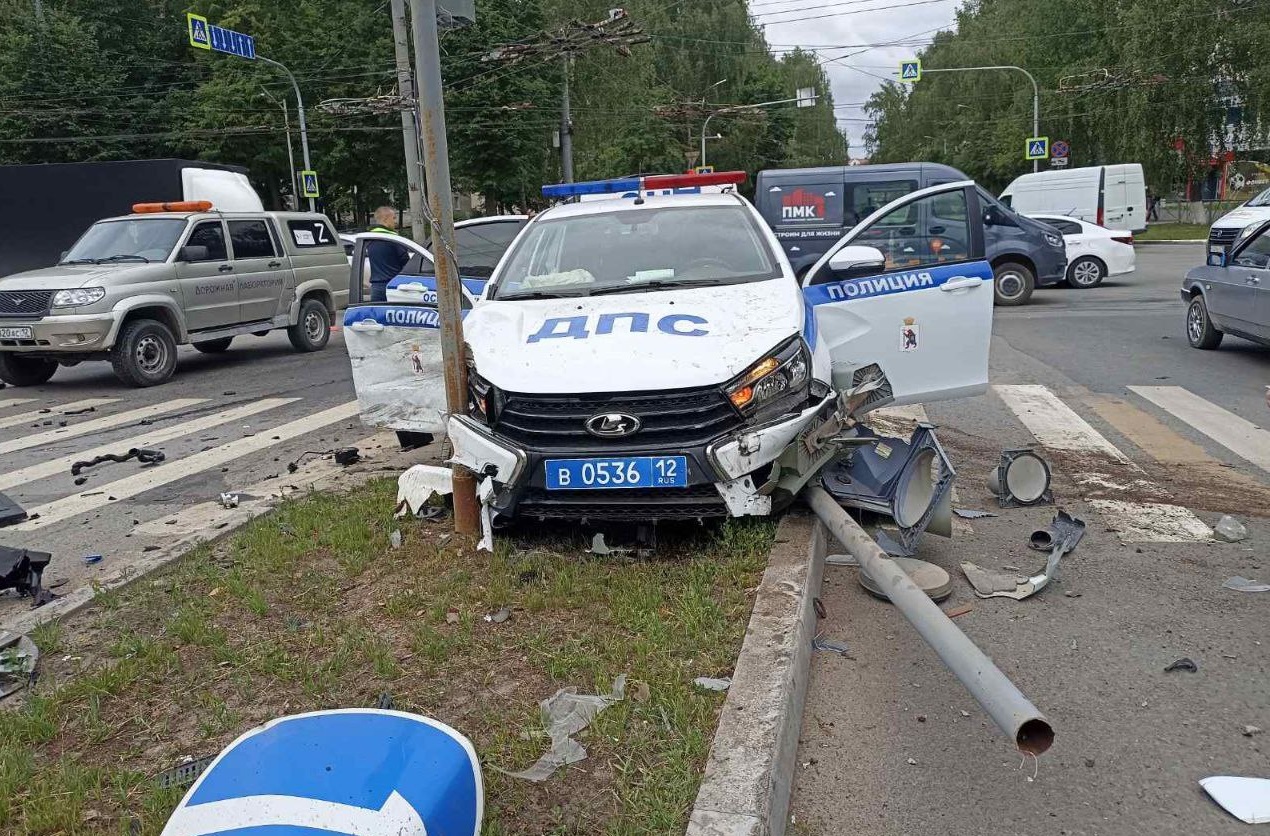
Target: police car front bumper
[721, 475]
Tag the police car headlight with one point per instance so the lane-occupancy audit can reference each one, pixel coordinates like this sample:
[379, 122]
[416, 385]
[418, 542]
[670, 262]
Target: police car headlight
[480, 396]
[78, 296]
[1053, 240]
[784, 372]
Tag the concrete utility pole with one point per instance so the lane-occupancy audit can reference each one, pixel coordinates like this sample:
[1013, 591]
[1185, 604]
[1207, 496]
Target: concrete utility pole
[566, 130]
[1036, 94]
[436, 158]
[409, 119]
[304, 127]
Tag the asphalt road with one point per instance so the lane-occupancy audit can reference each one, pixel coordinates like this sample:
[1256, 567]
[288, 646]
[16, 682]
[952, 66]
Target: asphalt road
[893, 744]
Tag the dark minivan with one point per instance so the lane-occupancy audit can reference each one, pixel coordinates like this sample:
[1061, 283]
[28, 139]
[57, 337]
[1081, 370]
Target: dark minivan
[810, 208]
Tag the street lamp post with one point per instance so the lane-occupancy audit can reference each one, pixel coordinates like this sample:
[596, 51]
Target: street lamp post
[286, 123]
[705, 126]
[304, 127]
[1036, 93]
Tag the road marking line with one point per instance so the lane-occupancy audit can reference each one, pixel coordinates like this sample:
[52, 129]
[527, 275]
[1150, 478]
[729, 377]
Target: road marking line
[104, 423]
[1054, 423]
[1151, 435]
[1241, 437]
[913, 412]
[25, 417]
[61, 465]
[5, 404]
[173, 471]
[1151, 522]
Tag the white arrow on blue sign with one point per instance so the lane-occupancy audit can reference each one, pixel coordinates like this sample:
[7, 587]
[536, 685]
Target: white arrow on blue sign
[358, 772]
[231, 42]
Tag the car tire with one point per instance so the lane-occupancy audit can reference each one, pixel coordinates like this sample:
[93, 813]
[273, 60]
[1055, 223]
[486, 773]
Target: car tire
[1086, 272]
[214, 346]
[1200, 332]
[312, 329]
[17, 370]
[145, 353]
[1012, 284]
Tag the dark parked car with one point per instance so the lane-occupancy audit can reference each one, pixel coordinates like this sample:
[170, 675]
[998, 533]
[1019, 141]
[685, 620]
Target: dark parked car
[1231, 294]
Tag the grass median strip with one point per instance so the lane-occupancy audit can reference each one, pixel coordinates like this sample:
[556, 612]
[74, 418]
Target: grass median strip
[311, 608]
[1173, 232]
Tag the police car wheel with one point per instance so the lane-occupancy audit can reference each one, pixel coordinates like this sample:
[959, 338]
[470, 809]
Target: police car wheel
[1012, 283]
[17, 370]
[312, 331]
[1200, 332]
[214, 346]
[1086, 272]
[144, 354]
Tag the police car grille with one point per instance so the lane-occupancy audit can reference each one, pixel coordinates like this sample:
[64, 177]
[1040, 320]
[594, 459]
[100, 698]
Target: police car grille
[682, 418]
[1222, 237]
[25, 302]
[695, 502]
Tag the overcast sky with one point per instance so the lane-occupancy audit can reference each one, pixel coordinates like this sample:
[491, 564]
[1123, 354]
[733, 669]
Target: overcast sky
[854, 22]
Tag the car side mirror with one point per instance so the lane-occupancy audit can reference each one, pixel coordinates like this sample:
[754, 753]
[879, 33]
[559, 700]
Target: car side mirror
[854, 261]
[193, 252]
[1217, 259]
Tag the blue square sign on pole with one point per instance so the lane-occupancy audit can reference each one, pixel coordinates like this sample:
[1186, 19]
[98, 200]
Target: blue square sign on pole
[197, 27]
[1038, 148]
[309, 184]
[911, 70]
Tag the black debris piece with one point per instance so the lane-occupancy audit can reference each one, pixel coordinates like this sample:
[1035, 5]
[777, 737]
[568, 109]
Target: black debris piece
[83, 411]
[140, 454]
[347, 455]
[10, 511]
[79, 480]
[1183, 664]
[22, 569]
[385, 702]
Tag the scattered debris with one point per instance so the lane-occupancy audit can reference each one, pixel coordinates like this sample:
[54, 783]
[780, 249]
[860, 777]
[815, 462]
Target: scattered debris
[83, 411]
[830, 646]
[972, 514]
[891, 547]
[961, 609]
[22, 569]
[598, 546]
[416, 487]
[229, 500]
[711, 684]
[931, 579]
[1247, 799]
[90, 559]
[566, 713]
[10, 511]
[965, 713]
[818, 606]
[451, 616]
[1063, 534]
[140, 454]
[347, 455]
[385, 702]
[1071, 594]
[42, 597]
[1241, 584]
[1249, 731]
[395, 539]
[150, 548]
[18, 656]
[498, 617]
[921, 718]
[185, 774]
[1230, 529]
[1183, 664]
[1064, 530]
[80, 480]
[1022, 478]
[911, 762]
[841, 560]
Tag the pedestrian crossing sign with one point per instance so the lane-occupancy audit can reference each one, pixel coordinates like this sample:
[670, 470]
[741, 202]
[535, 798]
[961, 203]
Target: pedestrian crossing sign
[199, 34]
[309, 184]
[911, 70]
[1038, 148]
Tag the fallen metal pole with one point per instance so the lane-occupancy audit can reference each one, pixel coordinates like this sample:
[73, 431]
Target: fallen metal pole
[1004, 703]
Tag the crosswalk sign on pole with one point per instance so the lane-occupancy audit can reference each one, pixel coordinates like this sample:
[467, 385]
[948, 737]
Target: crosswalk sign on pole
[1038, 148]
[199, 35]
[911, 70]
[309, 184]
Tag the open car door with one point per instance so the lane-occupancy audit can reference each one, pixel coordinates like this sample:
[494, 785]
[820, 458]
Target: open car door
[907, 292]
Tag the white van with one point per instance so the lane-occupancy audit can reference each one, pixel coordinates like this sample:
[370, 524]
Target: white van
[1114, 196]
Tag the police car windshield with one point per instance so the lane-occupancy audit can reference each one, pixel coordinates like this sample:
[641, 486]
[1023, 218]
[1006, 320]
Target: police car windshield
[656, 248]
[132, 239]
[1262, 199]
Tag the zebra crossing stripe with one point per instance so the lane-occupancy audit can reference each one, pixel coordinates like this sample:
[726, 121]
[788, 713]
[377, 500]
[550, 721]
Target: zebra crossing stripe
[97, 424]
[1241, 437]
[5, 404]
[73, 506]
[61, 465]
[1054, 423]
[54, 412]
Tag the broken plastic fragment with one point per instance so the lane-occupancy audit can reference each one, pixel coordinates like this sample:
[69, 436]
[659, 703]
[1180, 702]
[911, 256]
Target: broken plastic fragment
[395, 539]
[416, 486]
[1241, 584]
[712, 684]
[1183, 664]
[566, 713]
[830, 646]
[499, 617]
[229, 500]
[1247, 799]
[971, 513]
[598, 546]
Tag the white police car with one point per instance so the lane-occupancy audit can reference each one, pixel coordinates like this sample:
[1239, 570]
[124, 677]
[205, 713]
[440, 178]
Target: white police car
[653, 357]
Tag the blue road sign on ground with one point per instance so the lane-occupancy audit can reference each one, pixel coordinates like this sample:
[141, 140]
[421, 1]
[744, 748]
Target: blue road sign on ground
[1038, 148]
[911, 70]
[349, 771]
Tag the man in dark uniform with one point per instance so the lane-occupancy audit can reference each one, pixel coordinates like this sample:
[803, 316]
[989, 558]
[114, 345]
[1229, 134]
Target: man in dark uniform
[386, 260]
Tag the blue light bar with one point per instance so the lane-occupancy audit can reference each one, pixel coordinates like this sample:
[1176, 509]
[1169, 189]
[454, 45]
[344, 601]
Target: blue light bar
[625, 184]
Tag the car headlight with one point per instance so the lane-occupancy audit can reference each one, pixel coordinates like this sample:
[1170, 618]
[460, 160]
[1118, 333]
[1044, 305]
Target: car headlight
[79, 296]
[480, 394]
[1053, 240]
[783, 372]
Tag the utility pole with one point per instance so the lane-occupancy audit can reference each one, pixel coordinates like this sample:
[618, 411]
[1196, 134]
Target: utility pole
[409, 119]
[304, 127]
[566, 130]
[436, 158]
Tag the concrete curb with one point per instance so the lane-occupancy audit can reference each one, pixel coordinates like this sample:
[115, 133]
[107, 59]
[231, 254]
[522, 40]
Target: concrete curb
[749, 775]
[1136, 242]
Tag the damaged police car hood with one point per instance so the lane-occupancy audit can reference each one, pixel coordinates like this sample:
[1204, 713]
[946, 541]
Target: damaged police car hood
[654, 340]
